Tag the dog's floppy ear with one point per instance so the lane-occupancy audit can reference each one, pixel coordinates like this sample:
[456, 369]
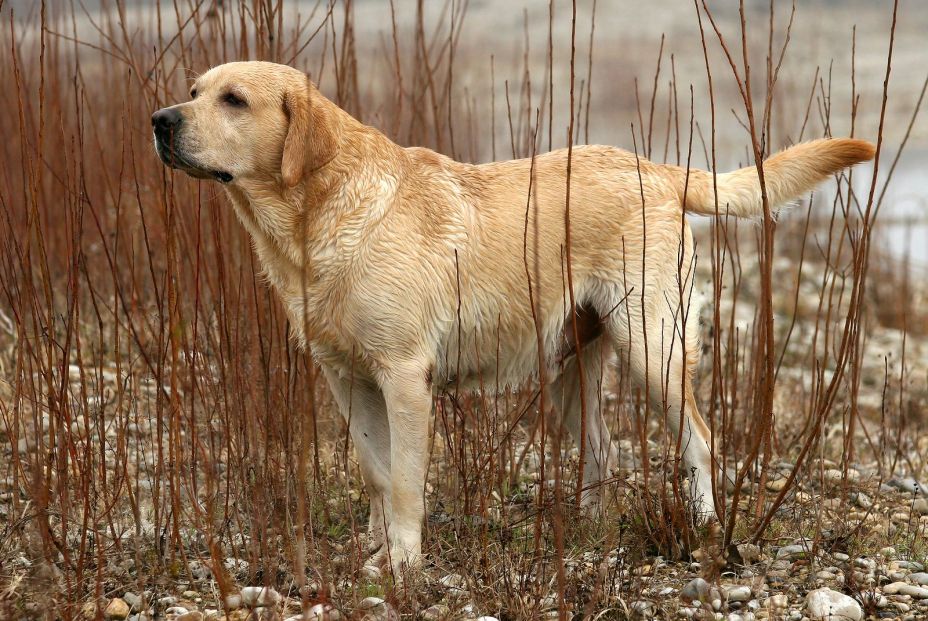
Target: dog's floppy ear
[311, 139]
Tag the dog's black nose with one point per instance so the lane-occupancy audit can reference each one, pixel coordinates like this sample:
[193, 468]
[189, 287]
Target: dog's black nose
[166, 120]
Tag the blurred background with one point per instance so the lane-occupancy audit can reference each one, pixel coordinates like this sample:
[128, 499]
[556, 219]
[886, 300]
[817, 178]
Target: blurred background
[829, 40]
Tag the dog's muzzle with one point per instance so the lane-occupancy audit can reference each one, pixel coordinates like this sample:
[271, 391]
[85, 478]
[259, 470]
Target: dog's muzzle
[166, 125]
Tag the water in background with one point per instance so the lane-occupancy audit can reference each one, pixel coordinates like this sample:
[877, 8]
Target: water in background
[627, 39]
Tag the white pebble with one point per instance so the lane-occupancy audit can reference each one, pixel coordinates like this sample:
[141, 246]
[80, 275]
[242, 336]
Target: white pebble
[828, 605]
[256, 596]
[739, 593]
[176, 611]
[320, 612]
[903, 588]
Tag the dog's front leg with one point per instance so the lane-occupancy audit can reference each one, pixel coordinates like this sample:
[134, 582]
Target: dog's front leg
[361, 403]
[408, 397]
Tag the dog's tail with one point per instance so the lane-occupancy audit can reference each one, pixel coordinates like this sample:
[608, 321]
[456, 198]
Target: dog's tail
[787, 176]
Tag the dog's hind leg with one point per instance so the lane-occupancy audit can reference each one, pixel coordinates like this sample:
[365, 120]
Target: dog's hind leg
[361, 403]
[660, 366]
[599, 452]
[660, 346]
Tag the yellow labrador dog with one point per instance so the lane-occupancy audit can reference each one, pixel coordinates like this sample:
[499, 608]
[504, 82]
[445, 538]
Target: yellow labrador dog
[406, 271]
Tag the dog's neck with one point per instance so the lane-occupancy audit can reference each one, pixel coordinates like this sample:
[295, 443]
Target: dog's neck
[352, 189]
[308, 234]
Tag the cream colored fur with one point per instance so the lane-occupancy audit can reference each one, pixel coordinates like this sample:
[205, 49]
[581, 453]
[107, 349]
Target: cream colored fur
[405, 272]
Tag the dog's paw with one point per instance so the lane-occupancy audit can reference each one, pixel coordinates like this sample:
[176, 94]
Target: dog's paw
[371, 571]
[702, 503]
[704, 512]
[380, 558]
[404, 560]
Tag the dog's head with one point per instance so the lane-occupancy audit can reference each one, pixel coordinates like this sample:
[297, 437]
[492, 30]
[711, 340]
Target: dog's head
[247, 120]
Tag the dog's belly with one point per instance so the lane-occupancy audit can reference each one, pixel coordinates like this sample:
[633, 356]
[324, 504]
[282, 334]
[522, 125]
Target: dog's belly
[502, 357]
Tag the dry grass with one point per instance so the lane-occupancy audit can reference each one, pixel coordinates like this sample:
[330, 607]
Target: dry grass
[156, 420]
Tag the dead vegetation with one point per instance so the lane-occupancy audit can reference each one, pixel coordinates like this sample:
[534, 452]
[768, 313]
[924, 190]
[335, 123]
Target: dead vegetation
[161, 435]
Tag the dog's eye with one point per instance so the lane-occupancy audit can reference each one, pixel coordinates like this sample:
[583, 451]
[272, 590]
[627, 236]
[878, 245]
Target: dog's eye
[233, 100]
[193, 93]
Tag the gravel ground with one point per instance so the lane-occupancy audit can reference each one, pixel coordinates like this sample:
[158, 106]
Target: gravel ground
[847, 543]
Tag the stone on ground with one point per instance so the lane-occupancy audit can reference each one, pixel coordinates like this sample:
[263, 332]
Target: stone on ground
[116, 609]
[828, 605]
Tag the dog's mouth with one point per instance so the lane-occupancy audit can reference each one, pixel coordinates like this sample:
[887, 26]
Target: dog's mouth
[175, 158]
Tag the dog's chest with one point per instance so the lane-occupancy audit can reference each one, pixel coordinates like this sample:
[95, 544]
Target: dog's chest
[313, 256]
[316, 296]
